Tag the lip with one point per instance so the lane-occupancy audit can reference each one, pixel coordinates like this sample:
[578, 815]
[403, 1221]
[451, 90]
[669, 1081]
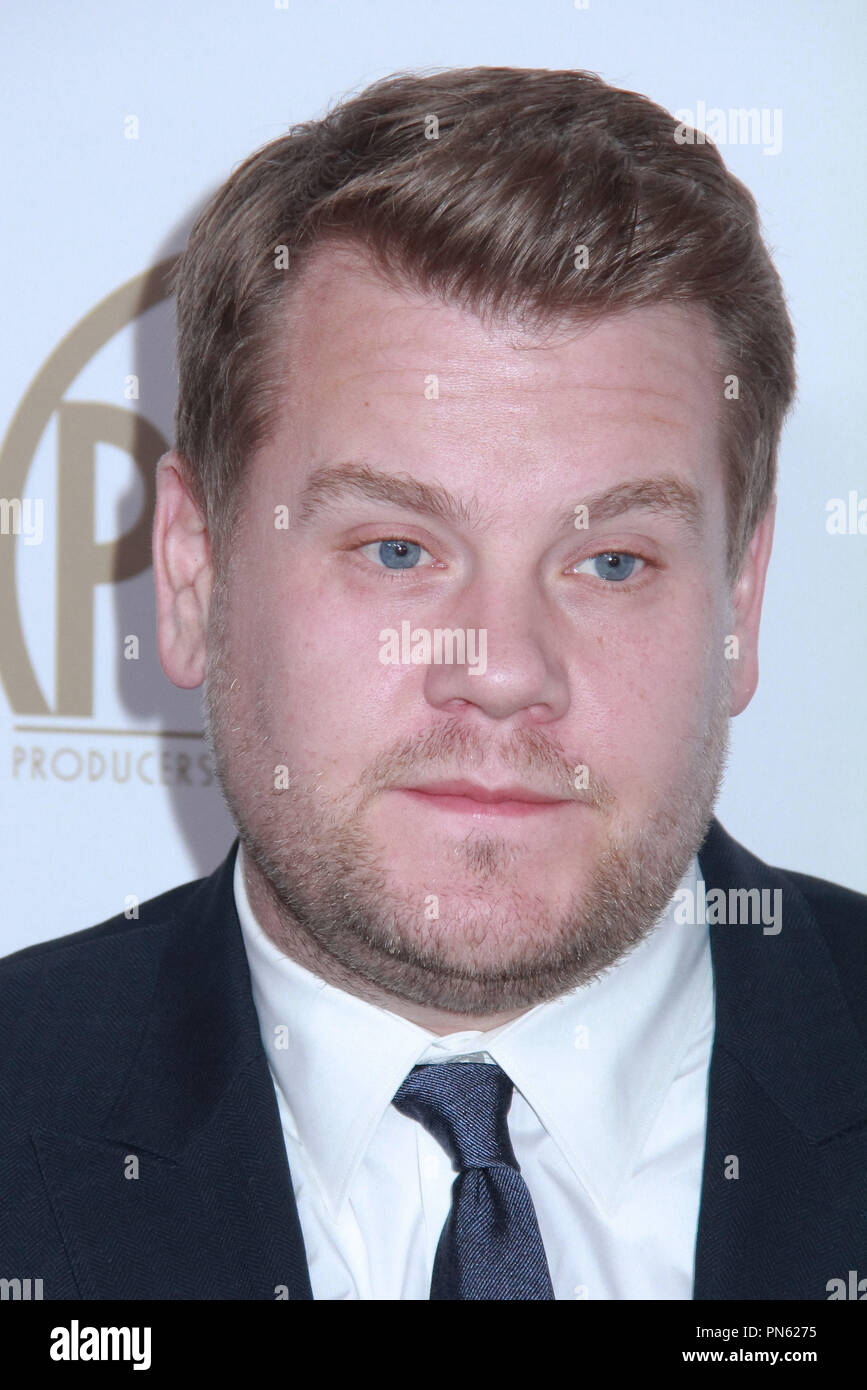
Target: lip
[475, 799]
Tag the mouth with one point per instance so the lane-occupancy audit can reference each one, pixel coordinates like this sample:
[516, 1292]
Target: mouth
[470, 798]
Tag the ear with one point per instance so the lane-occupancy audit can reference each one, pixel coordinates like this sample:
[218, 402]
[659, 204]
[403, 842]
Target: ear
[182, 576]
[747, 595]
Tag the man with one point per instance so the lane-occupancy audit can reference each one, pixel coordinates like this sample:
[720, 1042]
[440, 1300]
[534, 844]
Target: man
[465, 532]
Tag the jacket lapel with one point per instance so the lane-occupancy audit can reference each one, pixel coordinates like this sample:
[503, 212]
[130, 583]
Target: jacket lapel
[783, 1192]
[211, 1213]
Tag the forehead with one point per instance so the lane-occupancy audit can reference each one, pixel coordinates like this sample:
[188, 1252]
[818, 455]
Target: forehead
[367, 358]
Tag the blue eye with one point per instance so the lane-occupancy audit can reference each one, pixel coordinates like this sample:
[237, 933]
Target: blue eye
[611, 565]
[396, 554]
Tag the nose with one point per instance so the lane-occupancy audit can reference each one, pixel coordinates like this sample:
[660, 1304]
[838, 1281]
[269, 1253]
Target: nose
[514, 667]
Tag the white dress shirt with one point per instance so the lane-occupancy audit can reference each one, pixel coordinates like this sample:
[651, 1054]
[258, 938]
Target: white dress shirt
[607, 1120]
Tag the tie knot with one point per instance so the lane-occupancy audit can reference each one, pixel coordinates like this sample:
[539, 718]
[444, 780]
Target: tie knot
[464, 1106]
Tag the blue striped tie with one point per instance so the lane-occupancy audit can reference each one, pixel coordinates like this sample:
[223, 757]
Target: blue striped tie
[490, 1246]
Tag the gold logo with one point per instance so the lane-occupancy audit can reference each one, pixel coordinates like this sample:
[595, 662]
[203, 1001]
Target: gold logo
[82, 562]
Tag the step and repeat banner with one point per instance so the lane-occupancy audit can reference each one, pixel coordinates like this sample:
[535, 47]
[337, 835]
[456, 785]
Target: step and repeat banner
[118, 123]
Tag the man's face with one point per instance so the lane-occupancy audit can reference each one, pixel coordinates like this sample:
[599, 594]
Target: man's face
[604, 685]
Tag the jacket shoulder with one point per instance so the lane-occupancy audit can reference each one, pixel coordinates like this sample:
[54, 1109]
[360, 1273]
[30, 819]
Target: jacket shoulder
[841, 915]
[72, 1009]
[832, 905]
[153, 913]
[831, 902]
[837, 916]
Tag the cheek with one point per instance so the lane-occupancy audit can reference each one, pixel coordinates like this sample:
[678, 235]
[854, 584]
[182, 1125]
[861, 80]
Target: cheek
[645, 702]
[330, 700]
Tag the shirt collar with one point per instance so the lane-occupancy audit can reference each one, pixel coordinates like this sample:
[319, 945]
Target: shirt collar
[594, 1064]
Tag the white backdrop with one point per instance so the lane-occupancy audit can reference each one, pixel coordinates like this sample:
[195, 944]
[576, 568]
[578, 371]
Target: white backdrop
[117, 122]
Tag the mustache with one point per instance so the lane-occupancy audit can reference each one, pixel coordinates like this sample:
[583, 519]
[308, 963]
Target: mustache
[454, 750]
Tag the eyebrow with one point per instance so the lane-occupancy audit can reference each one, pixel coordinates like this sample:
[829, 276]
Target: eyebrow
[666, 495]
[329, 485]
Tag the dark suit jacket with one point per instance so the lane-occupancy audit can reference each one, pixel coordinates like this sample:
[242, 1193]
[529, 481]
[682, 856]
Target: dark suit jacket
[140, 1038]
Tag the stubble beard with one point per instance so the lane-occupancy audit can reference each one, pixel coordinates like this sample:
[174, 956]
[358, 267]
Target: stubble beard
[332, 904]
